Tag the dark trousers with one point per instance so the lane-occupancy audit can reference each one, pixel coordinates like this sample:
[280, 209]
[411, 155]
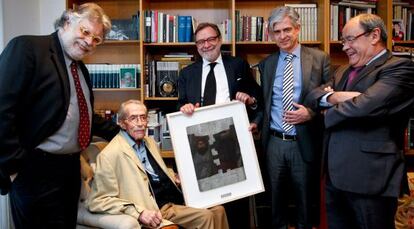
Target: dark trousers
[351, 210]
[45, 193]
[286, 167]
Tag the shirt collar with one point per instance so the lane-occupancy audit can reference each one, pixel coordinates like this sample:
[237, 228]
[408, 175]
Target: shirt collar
[130, 140]
[296, 52]
[377, 56]
[206, 62]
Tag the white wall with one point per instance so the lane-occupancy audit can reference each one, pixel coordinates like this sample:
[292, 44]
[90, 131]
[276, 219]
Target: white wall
[34, 17]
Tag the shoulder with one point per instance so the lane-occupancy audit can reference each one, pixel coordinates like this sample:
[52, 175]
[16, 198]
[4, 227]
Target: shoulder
[235, 60]
[113, 149]
[314, 52]
[191, 67]
[271, 58]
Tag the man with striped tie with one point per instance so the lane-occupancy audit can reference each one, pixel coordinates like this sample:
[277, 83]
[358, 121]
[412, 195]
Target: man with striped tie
[291, 132]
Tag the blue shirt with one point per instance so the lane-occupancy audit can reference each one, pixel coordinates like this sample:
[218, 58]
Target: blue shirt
[276, 110]
[141, 153]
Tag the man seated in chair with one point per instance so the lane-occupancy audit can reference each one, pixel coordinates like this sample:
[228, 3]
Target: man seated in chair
[131, 178]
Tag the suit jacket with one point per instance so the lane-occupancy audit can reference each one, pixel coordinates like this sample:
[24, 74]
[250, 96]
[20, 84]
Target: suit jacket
[121, 185]
[239, 78]
[315, 71]
[364, 142]
[34, 99]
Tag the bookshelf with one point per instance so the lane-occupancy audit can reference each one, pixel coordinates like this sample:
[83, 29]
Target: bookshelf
[216, 11]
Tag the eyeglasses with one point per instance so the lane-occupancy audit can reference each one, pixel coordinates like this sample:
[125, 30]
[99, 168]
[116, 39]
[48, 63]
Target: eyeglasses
[86, 33]
[211, 40]
[136, 118]
[351, 39]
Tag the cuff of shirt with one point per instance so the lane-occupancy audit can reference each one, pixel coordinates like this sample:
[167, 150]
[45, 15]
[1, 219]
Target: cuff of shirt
[323, 102]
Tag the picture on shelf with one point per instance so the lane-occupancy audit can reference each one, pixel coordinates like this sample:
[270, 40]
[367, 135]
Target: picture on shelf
[398, 30]
[127, 78]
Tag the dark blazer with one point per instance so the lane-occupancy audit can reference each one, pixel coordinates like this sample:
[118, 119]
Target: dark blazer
[34, 99]
[315, 71]
[239, 78]
[364, 142]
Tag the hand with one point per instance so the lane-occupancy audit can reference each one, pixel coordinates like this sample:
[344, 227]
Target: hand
[328, 89]
[253, 127]
[300, 115]
[13, 177]
[245, 98]
[189, 108]
[342, 96]
[177, 179]
[150, 218]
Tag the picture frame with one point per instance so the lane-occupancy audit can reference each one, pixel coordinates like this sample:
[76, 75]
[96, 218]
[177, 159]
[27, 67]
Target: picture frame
[398, 30]
[215, 154]
[127, 78]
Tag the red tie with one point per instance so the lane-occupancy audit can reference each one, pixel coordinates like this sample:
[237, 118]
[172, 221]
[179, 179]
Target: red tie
[352, 75]
[84, 125]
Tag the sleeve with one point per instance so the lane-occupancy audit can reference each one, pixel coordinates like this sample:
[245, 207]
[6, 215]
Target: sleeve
[16, 68]
[392, 92]
[103, 197]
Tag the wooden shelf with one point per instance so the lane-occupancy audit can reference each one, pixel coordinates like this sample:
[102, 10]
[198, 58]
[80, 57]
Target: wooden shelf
[167, 154]
[123, 42]
[117, 89]
[161, 98]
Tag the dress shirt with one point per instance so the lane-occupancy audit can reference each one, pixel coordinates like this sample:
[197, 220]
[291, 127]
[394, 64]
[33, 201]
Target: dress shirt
[223, 94]
[276, 106]
[141, 152]
[65, 139]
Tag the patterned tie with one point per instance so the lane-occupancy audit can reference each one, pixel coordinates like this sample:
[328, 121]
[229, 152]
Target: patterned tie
[84, 125]
[353, 75]
[210, 89]
[287, 97]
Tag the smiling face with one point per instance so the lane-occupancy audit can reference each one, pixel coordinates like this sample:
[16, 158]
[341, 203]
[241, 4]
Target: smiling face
[80, 38]
[360, 49]
[136, 121]
[208, 44]
[286, 35]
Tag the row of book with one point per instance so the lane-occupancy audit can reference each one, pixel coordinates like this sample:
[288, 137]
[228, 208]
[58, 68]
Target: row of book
[124, 29]
[161, 27]
[114, 75]
[251, 28]
[308, 14]
[158, 129]
[342, 11]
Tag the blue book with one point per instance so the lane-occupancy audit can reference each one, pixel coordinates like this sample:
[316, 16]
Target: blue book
[181, 28]
[188, 29]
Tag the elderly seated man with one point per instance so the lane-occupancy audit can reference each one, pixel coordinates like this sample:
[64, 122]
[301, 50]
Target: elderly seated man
[131, 178]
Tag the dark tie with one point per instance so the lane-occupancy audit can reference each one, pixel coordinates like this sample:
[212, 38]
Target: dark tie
[84, 125]
[210, 89]
[353, 75]
[287, 96]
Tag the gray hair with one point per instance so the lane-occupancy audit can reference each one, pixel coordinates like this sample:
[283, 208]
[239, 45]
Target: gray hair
[369, 22]
[90, 11]
[122, 115]
[278, 14]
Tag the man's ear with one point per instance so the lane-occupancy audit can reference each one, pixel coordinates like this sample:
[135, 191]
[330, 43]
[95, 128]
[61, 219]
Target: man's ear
[376, 35]
[122, 124]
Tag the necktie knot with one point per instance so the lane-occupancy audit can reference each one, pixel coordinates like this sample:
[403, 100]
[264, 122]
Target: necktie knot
[289, 57]
[212, 65]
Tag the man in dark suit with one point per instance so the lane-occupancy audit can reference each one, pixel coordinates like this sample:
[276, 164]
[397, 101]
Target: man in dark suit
[231, 78]
[46, 118]
[368, 103]
[291, 134]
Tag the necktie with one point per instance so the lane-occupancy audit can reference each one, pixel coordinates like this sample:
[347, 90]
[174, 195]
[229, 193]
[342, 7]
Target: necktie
[352, 75]
[84, 125]
[287, 96]
[210, 89]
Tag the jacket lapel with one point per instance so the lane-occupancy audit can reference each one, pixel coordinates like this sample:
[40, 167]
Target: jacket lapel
[197, 74]
[371, 67]
[270, 71]
[58, 59]
[306, 65]
[230, 77]
[129, 152]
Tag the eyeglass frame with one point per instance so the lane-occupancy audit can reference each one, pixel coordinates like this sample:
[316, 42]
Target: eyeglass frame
[210, 40]
[136, 118]
[87, 33]
[351, 39]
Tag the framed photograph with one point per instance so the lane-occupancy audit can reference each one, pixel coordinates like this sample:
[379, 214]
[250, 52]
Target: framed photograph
[398, 30]
[127, 78]
[215, 154]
